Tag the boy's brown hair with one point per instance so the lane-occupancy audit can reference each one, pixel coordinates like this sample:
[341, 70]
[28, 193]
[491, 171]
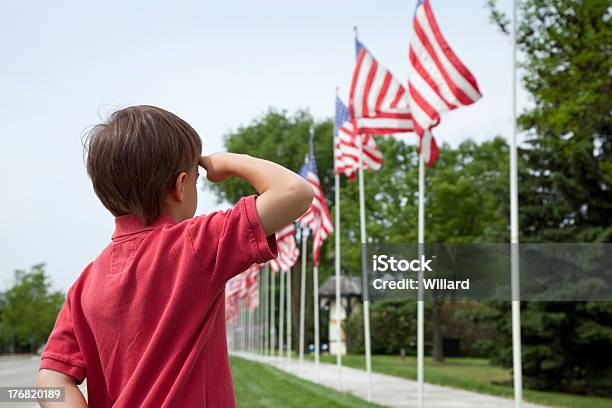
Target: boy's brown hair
[134, 157]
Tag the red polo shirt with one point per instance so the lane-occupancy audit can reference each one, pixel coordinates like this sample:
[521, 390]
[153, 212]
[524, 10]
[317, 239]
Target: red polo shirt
[145, 320]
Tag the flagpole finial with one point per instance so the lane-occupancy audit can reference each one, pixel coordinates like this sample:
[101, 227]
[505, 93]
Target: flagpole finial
[356, 32]
[337, 90]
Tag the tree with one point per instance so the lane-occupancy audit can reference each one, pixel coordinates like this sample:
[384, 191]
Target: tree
[466, 189]
[395, 325]
[565, 183]
[29, 309]
[566, 180]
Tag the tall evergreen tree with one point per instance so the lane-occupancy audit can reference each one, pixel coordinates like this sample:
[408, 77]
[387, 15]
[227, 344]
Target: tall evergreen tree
[565, 182]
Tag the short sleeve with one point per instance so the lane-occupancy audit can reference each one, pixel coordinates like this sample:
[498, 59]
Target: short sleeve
[62, 352]
[228, 242]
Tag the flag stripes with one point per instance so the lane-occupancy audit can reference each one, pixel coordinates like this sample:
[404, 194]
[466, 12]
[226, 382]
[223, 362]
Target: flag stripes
[437, 80]
[233, 289]
[317, 218]
[251, 286]
[242, 286]
[378, 102]
[347, 150]
[287, 249]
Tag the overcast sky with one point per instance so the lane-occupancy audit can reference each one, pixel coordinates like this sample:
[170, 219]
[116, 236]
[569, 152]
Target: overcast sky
[216, 64]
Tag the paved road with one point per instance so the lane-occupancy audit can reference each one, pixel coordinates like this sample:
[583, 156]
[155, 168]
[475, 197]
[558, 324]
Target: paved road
[21, 371]
[386, 390]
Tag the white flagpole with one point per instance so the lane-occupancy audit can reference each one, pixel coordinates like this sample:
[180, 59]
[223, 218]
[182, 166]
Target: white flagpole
[240, 325]
[420, 300]
[244, 327]
[366, 300]
[234, 340]
[272, 313]
[255, 340]
[266, 310]
[241, 303]
[288, 316]
[254, 331]
[250, 331]
[281, 316]
[257, 334]
[364, 284]
[303, 292]
[514, 238]
[315, 290]
[337, 259]
[259, 311]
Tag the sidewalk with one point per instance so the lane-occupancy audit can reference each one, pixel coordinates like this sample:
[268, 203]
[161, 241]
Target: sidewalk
[386, 390]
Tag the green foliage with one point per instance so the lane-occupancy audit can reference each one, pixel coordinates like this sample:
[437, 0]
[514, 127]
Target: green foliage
[565, 185]
[496, 17]
[473, 374]
[466, 190]
[284, 139]
[394, 324]
[261, 385]
[565, 181]
[29, 310]
[565, 344]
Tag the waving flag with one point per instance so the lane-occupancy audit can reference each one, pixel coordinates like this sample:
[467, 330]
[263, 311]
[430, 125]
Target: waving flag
[378, 102]
[251, 286]
[347, 149]
[317, 218]
[287, 249]
[233, 288]
[242, 286]
[231, 311]
[437, 80]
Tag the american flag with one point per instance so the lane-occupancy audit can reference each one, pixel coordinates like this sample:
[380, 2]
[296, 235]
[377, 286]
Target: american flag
[251, 286]
[233, 289]
[231, 311]
[378, 102]
[242, 286]
[347, 149]
[287, 249]
[437, 80]
[317, 218]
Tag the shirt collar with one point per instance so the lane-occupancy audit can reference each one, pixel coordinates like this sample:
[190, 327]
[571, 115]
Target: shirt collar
[131, 224]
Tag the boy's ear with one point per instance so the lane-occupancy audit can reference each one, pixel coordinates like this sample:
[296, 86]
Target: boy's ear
[178, 191]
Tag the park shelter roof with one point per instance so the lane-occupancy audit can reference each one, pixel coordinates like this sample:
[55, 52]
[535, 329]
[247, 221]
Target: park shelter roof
[349, 286]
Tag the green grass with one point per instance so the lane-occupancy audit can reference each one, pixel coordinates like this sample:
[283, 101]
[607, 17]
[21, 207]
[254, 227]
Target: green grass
[260, 385]
[472, 374]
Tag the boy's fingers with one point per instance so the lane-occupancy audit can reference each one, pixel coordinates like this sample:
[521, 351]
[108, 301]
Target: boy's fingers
[204, 160]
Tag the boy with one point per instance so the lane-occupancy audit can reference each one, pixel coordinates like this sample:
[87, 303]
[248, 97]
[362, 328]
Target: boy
[145, 322]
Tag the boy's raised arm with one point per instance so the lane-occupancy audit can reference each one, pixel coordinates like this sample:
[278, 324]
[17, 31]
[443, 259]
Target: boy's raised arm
[284, 195]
